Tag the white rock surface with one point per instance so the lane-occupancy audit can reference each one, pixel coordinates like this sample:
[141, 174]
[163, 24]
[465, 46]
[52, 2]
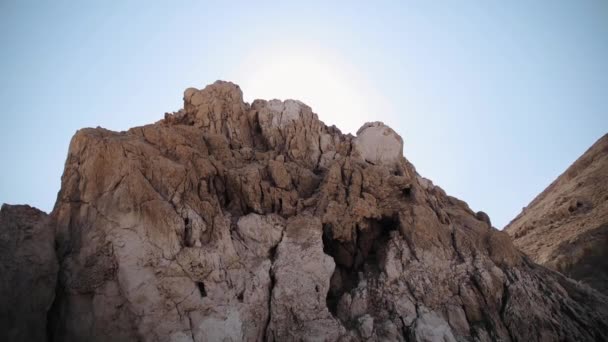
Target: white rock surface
[378, 144]
[429, 327]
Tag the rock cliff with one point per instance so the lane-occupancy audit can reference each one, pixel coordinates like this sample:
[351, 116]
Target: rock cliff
[28, 273]
[566, 227]
[228, 221]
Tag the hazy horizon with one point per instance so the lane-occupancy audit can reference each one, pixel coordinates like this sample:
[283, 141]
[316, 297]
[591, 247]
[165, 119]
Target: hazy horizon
[493, 101]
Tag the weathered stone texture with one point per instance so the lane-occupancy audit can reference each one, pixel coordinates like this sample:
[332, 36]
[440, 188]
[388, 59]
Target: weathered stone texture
[28, 273]
[565, 228]
[235, 222]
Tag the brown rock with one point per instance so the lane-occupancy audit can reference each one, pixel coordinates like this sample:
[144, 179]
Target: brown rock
[481, 216]
[235, 222]
[279, 174]
[566, 226]
[28, 273]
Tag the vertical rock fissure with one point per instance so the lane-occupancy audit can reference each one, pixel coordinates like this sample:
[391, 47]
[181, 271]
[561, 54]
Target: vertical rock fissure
[191, 326]
[53, 314]
[455, 244]
[273, 257]
[201, 289]
[503, 309]
[188, 233]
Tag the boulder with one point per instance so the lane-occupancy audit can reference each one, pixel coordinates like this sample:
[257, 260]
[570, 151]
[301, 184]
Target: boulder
[378, 144]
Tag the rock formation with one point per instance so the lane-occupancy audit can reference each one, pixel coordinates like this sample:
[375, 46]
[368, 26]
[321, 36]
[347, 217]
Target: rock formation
[229, 221]
[28, 273]
[566, 227]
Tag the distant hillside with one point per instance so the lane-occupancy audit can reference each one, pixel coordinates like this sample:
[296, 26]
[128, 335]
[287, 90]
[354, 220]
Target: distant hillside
[566, 226]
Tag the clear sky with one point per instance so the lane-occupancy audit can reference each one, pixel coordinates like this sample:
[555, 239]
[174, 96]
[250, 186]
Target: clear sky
[494, 99]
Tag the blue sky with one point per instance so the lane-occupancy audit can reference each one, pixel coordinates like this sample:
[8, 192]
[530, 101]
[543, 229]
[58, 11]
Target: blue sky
[493, 99]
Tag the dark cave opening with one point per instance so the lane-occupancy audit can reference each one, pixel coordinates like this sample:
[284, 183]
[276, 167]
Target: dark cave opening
[201, 289]
[188, 233]
[361, 257]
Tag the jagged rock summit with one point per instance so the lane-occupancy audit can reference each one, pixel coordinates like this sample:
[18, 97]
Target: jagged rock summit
[229, 221]
[566, 226]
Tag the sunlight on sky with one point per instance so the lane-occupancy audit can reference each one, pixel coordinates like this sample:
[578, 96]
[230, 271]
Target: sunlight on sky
[320, 78]
[493, 99]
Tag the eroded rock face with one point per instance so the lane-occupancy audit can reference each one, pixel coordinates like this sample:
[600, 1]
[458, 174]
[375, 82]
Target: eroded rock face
[566, 226]
[234, 222]
[28, 273]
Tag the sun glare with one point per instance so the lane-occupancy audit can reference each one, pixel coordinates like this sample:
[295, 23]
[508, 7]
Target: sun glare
[324, 81]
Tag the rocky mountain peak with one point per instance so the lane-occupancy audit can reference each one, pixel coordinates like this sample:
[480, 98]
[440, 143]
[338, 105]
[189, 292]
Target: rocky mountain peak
[249, 222]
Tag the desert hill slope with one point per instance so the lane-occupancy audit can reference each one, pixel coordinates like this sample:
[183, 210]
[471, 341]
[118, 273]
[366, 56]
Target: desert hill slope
[566, 226]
